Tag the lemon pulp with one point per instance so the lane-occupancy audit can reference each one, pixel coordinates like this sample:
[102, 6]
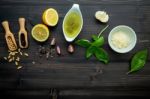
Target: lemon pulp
[40, 32]
[50, 17]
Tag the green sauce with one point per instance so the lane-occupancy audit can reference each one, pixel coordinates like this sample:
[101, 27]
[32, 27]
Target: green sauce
[72, 24]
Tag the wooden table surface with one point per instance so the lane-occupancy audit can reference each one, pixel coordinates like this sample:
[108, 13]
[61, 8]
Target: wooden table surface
[72, 76]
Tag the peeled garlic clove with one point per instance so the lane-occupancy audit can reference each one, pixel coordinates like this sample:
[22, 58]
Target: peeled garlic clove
[71, 48]
[102, 16]
[53, 42]
[58, 50]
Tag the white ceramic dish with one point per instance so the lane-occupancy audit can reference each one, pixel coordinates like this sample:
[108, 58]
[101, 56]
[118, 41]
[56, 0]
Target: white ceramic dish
[76, 8]
[129, 32]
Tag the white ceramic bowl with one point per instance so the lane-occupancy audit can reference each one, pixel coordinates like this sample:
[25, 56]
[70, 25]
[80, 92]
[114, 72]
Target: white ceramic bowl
[129, 32]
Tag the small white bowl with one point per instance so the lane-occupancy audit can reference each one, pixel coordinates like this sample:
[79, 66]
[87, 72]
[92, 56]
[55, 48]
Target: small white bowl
[129, 32]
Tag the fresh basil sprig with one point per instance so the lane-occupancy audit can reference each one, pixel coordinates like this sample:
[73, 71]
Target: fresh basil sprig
[84, 43]
[138, 61]
[95, 47]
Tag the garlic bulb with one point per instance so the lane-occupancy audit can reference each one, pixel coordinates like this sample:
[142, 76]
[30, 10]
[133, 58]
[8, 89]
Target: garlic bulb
[102, 16]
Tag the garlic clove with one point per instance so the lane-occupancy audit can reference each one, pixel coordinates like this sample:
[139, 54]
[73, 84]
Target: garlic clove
[102, 16]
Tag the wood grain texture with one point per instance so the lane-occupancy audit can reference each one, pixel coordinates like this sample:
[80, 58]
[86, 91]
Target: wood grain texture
[72, 75]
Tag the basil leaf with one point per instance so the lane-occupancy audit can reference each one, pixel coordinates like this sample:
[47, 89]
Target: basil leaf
[83, 43]
[138, 61]
[99, 42]
[101, 55]
[90, 51]
[94, 37]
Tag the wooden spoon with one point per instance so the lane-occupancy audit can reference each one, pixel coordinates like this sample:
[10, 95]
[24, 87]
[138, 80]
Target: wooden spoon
[23, 37]
[10, 39]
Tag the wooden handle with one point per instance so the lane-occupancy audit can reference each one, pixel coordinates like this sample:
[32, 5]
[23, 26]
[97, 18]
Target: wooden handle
[10, 39]
[22, 23]
[5, 24]
[23, 39]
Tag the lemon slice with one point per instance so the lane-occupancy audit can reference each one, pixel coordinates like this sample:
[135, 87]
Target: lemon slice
[50, 17]
[40, 32]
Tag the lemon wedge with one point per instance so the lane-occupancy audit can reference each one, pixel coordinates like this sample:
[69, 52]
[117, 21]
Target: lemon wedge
[40, 32]
[50, 17]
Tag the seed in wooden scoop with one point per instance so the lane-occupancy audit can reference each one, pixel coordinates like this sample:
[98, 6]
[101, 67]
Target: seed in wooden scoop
[10, 39]
[11, 44]
[22, 36]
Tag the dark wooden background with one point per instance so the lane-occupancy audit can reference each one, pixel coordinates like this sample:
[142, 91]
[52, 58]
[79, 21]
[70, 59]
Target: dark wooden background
[72, 76]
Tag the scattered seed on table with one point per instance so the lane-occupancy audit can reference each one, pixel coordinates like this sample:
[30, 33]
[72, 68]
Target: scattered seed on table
[26, 54]
[16, 63]
[21, 53]
[13, 58]
[5, 58]
[17, 59]
[9, 56]
[10, 60]
[19, 67]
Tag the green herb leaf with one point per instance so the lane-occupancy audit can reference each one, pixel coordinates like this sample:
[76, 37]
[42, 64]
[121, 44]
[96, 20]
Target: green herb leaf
[83, 43]
[94, 37]
[90, 51]
[94, 47]
[99, 42]
[138, 61]
[101, 55]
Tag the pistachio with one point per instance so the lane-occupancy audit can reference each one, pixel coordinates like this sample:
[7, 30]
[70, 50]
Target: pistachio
[19, 67]
[13, 56]
[13, 53]
[21, 53]
[16, 63]
[19, 50]
[9, 56]
[5, 58]
[26, 54]
[10, 60]
[17, 59]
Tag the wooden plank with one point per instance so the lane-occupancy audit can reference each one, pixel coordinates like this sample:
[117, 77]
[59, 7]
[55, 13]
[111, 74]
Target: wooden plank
[73, 75]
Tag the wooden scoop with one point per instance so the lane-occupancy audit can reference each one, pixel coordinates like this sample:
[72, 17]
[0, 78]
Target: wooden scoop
[23, 37]
[10, 39]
